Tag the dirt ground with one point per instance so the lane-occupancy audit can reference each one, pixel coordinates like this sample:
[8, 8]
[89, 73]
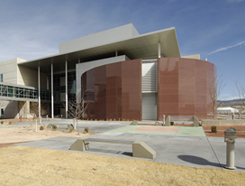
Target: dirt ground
[21, 165]
[220, 130]
[29, 133]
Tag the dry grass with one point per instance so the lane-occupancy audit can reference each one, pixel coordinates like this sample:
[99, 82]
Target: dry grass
[28, 166]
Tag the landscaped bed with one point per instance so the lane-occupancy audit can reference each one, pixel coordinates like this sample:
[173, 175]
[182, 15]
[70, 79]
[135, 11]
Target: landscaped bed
[220, 130]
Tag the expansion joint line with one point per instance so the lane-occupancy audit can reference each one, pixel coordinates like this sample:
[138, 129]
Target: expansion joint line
[214, 153]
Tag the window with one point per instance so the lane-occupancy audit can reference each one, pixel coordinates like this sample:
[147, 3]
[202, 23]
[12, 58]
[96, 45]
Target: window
[1, 77]
[2, 113]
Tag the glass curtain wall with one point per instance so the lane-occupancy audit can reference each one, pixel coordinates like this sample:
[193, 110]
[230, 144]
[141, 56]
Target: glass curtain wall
[59, 91]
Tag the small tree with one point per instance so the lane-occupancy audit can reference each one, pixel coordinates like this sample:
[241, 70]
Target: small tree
[215, 88]
[34, 108]
[241, 95]
[76, 109]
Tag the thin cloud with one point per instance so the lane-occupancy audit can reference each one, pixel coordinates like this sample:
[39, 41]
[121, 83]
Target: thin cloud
[235, 1]
[226, 48]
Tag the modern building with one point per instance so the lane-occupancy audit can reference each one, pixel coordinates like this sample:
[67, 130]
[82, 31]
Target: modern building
[116, 74]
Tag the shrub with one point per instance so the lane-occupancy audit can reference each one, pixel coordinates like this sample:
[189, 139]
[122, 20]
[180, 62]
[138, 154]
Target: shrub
[2, 122]
[70, 128]
[86, 130]
[171, 123]
[41, 128]
[54, 127]
[10, 123]
[214, 129]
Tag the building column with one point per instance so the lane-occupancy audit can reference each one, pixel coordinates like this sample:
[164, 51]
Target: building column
[116, 53]
[39, 96]
[66, 81]
[52, 92]
[159, 50]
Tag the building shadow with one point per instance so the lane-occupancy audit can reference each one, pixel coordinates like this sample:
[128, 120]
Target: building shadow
[201, 161]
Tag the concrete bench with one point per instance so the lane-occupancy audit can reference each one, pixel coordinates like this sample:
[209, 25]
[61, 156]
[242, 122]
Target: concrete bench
[140, 149]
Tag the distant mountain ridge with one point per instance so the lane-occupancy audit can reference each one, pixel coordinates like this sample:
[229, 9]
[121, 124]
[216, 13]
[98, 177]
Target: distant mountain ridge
[230, 103]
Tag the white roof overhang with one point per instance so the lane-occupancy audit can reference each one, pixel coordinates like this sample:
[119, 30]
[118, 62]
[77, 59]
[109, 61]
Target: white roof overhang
[144, 46]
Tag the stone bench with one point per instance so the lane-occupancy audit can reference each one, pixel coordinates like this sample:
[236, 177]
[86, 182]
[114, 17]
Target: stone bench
[140, 149]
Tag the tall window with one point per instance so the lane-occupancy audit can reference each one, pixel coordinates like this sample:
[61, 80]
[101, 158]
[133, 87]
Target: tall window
[2, 113]
[1, 77]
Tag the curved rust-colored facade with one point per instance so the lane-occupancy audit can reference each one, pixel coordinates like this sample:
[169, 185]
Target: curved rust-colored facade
[114, 91]
[183, 87]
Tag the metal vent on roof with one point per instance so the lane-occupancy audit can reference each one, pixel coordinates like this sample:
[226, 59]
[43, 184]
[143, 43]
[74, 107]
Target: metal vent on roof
[149, 76]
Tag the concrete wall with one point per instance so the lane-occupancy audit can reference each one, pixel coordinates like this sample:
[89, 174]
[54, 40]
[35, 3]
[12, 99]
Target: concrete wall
[10, 109]
[194, 56]
[223, 122]
[24, 109]
[9, 70]
[83, 67]
[29, 77]
[98, 39]
[12, 73]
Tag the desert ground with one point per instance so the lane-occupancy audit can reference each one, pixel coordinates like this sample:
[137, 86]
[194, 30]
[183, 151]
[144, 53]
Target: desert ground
[34, 166]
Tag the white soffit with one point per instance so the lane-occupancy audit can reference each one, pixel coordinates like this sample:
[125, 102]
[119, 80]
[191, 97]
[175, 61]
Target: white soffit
[144, 46]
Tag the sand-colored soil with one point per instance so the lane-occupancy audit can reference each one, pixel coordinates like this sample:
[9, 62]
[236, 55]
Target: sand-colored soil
[32, 166]
[28, 133]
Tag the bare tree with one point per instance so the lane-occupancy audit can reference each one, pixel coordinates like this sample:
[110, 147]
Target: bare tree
[77, 109]
[215, 88]
[34, 108]
[240, 95]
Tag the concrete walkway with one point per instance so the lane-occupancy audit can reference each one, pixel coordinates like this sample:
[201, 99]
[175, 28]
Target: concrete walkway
[186, 146]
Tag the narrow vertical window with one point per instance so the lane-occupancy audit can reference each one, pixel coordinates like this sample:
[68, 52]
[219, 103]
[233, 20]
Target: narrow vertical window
[2, 113]
[1, 77]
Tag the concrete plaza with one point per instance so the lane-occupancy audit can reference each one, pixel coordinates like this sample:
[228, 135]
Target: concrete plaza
[186, 146]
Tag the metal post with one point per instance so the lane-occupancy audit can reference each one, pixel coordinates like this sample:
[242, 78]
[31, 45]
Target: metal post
[66, 81]
[230, 155]
[163, 119]
[52, 92]
[229, 136]
[39, 96]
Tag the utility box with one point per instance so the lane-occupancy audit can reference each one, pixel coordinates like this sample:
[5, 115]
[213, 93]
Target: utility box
[230, 135]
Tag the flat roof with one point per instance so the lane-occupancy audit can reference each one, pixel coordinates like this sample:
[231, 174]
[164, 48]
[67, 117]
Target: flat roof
[144, 46]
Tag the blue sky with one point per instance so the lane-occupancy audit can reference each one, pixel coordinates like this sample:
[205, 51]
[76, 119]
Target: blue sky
[32, 29]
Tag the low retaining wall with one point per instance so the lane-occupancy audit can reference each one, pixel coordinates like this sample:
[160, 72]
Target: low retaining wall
[224, 122]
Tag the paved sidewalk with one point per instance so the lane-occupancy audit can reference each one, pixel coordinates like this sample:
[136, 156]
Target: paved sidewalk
[186, 146]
